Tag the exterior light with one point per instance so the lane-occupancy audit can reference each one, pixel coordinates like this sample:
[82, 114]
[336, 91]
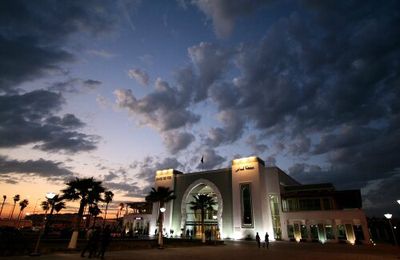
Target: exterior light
[214, 217]
[50, 195]
[162, 210]
[388, 215]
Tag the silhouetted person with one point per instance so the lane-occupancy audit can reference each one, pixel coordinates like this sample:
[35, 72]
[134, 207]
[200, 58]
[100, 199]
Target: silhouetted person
[258, 240]
[105, 241]
[94, 242]
[89, 235]
[266, 240]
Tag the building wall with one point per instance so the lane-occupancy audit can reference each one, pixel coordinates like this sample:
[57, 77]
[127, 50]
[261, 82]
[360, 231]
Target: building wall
[221, 179]
[250, 171]
[332, 217]
[265, 183]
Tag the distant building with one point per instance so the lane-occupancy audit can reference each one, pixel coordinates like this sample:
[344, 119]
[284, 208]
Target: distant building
[254, 198]
[137, 222]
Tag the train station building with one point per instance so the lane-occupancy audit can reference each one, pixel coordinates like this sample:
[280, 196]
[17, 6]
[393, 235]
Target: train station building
[251, 197]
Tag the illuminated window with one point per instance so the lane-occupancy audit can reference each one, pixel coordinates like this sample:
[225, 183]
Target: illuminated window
[329, 232]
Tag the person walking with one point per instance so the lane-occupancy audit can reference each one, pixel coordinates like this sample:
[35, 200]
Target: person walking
[94, 242]
[89, 235]
[266, 240]
[258, 240]
[105, 241]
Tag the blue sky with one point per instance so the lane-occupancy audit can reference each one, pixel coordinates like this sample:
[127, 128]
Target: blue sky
[117, 90]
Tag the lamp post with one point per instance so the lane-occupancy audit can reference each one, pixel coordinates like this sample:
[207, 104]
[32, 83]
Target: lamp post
[389, 216]
[50, 196]
[160, 232]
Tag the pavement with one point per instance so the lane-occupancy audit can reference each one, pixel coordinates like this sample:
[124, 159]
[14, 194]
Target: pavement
[245, 250]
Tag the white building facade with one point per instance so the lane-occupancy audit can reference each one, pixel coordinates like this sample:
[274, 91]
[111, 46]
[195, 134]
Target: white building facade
[251, 197]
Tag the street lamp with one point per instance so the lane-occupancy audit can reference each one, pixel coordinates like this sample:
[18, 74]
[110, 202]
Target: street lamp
[49, 196]
[389, 216]
[160, 232]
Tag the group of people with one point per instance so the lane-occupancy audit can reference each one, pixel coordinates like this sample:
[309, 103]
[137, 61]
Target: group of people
[266, 243]
[97, 241]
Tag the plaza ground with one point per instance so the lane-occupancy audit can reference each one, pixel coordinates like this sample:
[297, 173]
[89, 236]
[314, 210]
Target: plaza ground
[245, 250]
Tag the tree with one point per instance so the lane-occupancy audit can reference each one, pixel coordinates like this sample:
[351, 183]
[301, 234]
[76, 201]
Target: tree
[53, 204]
[59, 206]
[16, 199]
[161, 196]
[202, 202]
[22, 205]
[45, 206]
[108, 197]
[120, 208]
[2, 204]
[87, 191]
[94, 210]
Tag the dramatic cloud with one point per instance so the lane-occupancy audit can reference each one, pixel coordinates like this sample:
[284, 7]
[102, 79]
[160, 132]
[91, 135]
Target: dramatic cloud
[164, 109]
[40, 168]
[33, 35]
[29, 119]
[211, 159]
[74, 85]
[232, 130]
[177, 141]
[256, 145]
[140, 76]
[210, 63]
[224, 12]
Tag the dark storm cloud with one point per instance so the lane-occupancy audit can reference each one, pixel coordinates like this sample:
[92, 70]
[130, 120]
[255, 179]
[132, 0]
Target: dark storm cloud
[28, 119]
[224, 12]
[33, 35]
[40, 168]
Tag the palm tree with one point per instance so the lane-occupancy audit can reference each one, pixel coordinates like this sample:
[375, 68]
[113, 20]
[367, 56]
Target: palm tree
[45, 206]
[202, 202]
[16, 199]
[162, 195]
[22, 205]
[59, 206]
[52, 204]
[87, 191]
[108, 197]
[120, 208]
[94, 210]
[2, 204]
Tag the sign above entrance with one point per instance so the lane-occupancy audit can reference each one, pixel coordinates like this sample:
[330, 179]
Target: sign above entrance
[243, 168]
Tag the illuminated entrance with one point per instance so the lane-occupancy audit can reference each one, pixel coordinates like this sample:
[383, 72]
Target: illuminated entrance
[191, 220]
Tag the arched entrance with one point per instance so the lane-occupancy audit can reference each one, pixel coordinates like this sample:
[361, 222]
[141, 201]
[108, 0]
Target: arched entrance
[191, 221]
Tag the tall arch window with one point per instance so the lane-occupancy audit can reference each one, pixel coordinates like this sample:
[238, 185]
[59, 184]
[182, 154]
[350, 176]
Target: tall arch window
[246, 205]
